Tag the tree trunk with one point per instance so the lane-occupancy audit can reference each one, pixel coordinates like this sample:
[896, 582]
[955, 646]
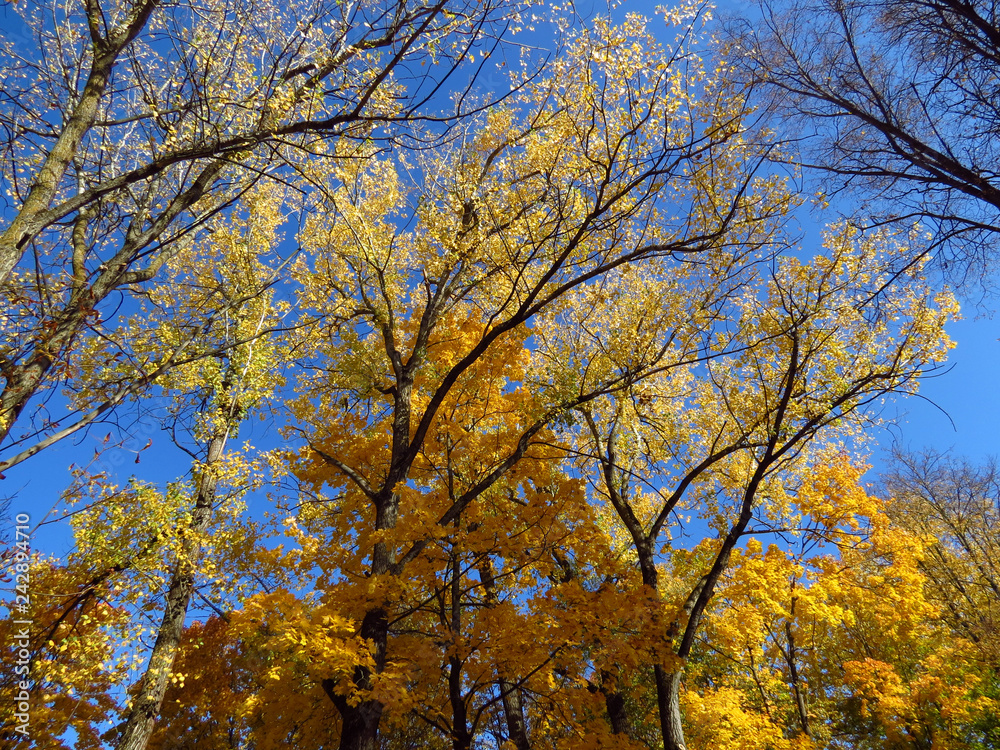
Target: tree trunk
[614, 704]
[360, 728]
[510, 693]
[668, 699]
[461, 739]
[360, 723]
[668, 684]
[138, 725]
[513, 710]
[793, 675]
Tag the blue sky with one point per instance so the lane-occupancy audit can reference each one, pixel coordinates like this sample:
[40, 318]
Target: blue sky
[962, 406]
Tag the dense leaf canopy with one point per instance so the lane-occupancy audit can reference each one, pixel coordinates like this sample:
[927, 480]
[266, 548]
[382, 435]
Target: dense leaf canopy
[561, 432]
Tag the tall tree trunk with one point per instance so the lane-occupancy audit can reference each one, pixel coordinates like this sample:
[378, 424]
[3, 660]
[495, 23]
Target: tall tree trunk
[668, 700]
[793, 672]
[668, 703]
[614, 704]
[361, 721]
[513, 710]
[461, 738]
[510, 693]
[138, 725]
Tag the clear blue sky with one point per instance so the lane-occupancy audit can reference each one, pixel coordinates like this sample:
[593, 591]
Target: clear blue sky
[967, 394]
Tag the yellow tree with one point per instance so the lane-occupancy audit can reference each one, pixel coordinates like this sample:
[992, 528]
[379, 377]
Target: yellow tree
[129, 125]
[843, 645]
[142, 551]
[955, 503]
[64, 665]
[426, 274]
[583, 284]
[790, 362]
[472, 624]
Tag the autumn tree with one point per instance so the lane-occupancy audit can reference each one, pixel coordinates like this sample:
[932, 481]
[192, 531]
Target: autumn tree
[148, 550]
[242, 689]
[577, 178]
[836, 640]
[74, 665]
[129, 125]
[954, 504]
[896, 98]
[792, 359]
[215, 394]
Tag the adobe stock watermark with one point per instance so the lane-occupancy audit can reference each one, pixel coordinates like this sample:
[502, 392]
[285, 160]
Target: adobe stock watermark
[21, 651]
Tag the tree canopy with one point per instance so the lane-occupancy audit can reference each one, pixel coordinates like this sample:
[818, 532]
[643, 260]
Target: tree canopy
[562, 431]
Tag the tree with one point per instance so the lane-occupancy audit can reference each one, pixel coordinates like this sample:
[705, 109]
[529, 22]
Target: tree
[190, 530]
[564, 187]
[794, 363]
[221, 392]
[129, 125]
[73, 665]
[838, 642]
[955, 505]
[894, 97]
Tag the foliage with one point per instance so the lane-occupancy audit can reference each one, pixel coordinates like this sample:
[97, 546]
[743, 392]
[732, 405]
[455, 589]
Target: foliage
[571, 432]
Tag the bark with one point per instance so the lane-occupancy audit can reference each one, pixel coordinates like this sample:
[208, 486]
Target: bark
[359, 728]
[513, 710]
[614, 704]
[361, 721]
[668, 701]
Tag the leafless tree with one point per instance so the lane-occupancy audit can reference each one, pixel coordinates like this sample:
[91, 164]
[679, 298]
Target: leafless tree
[897, 98]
